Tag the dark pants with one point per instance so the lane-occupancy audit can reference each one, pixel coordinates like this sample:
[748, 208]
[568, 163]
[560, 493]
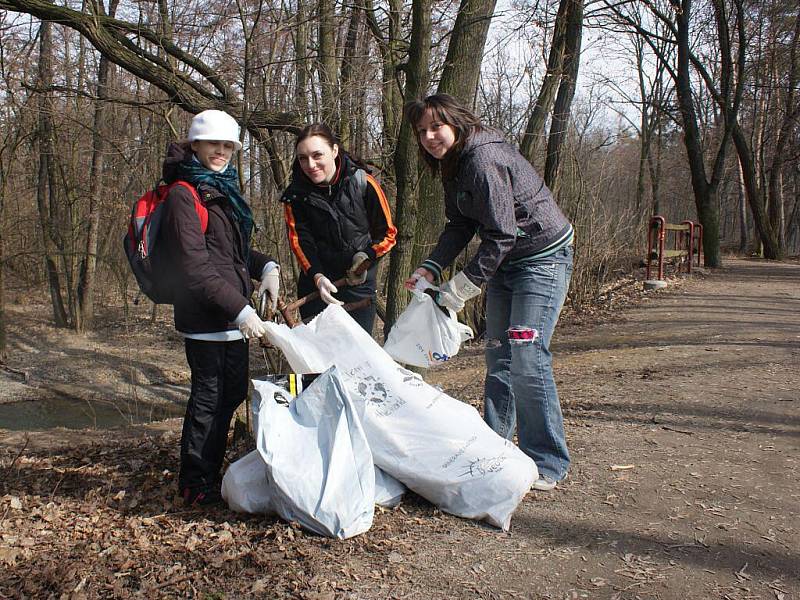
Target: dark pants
[219, 386]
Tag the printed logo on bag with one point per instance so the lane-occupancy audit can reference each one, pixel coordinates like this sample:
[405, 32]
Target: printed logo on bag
[436, 357]
[410, 378]
[481, 467]
[374, 392]
[459, 452]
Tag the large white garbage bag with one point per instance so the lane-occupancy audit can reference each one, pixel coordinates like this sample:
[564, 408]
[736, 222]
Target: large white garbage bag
[424, 335]
[437, 446]
[318, 464]
[245, 487]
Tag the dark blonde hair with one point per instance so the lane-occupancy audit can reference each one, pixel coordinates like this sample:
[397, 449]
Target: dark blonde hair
[448, 110]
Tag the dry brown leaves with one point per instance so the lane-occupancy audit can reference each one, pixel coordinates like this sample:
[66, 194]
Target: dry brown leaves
[102, 521]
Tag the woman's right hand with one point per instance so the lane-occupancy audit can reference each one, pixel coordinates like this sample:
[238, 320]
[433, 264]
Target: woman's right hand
[326, 289]
[421, 273]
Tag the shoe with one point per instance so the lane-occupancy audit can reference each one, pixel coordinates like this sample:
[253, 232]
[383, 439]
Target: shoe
[545, 483]
[201, 496]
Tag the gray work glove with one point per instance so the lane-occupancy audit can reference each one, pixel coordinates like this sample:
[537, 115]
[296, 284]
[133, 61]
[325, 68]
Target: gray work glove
[326, 289]
[456, 292]
[351, 276]
[271, 285]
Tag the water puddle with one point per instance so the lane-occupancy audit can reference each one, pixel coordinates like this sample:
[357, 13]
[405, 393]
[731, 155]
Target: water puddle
[48, 413]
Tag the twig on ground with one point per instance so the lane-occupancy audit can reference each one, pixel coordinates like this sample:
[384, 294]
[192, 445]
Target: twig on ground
[16, 458]
[677, 430]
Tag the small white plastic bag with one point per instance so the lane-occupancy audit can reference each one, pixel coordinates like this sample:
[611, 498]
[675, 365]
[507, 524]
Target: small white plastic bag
[424, 335]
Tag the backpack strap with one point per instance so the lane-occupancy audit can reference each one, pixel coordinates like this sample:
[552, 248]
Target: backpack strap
[199, 207]
[361, 179]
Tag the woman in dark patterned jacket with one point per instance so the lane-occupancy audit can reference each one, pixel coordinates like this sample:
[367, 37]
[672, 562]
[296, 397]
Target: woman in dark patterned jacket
[337, 217]
[525, 258]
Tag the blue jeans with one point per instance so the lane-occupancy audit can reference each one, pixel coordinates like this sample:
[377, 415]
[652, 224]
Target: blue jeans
[520, 389]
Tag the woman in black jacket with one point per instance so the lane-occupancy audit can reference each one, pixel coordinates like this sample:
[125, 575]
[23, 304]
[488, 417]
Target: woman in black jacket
[213, 271]
[337, 217]
[525, 258]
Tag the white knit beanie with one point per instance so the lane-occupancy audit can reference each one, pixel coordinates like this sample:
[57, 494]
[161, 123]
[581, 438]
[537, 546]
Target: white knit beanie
[215, 125]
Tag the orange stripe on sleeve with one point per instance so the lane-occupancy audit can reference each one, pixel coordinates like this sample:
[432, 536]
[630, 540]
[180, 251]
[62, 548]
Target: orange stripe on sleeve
[388, 242]
[294, 239]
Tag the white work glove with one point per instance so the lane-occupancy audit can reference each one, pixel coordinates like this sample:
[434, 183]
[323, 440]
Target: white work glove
[326, 289]
[271, 285]
[421, 279]
[352, 278]
[456, 292]
[251, 325]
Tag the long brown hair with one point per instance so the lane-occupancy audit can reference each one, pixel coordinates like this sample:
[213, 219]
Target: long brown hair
[448, 110]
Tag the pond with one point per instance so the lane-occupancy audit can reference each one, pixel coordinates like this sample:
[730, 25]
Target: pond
[48, 413]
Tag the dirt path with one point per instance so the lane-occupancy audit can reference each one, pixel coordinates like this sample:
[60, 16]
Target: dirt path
[683, 421]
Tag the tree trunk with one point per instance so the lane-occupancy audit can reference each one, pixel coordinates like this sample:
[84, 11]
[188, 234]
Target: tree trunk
[348, 112]
[534, 132]
[566, 92]
[742, 210]
[84, 313]
[704, 192]
[326, 61]
[406, 164]
[3, 344]
[755, 198]
[391, 49]
[300, 39]
[46, 177]
[461, 69]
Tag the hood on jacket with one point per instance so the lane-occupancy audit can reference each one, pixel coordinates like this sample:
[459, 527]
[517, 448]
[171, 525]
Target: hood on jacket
[482, 137]
[177, 152]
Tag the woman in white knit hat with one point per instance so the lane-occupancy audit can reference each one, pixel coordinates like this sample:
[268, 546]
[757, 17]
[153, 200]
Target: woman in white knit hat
[212, 265]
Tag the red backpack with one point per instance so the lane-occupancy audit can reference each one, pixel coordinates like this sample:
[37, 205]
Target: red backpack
[141, 241]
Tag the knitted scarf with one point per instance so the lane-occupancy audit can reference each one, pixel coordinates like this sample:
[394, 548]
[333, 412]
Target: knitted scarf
[227, 183]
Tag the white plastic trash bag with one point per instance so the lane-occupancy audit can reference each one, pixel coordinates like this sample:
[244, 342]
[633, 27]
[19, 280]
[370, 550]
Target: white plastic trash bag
[439, 447]
[388, 491]
[319, 469]
[424, 335]
[245, 487]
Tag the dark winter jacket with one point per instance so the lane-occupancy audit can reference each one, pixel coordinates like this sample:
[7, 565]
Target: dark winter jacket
[328, 224]
[213, 277]
[496, 193]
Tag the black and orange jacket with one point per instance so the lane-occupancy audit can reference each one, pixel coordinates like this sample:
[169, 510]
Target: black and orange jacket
[328, 224]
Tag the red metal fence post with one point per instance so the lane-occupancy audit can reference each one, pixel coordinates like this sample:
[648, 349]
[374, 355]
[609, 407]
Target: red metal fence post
[699, 229]
[689, 244]
[656, 228]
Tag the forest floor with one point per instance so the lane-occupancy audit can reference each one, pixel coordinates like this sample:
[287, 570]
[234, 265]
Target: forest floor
[683, 418]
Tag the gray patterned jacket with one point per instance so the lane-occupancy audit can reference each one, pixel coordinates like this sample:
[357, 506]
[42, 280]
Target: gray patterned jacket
[497, 194]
